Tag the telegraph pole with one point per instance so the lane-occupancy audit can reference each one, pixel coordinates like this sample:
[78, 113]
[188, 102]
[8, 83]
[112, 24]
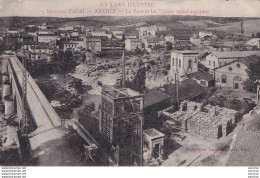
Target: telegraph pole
[123, 71]
[24, 98]
[177, 82]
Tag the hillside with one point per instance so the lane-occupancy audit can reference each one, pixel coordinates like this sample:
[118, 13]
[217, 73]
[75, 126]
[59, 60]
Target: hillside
[177, 22]
[250, 26]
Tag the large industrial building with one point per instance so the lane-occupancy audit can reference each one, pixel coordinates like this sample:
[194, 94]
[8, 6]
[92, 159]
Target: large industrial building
[121, 124]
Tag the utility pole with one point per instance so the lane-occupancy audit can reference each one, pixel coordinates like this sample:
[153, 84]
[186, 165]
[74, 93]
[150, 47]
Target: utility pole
[177, 82]
[24, 98]
[123, 71]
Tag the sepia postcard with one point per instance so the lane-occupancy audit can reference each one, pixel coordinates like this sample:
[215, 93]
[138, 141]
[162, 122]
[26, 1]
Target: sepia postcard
[130, 83]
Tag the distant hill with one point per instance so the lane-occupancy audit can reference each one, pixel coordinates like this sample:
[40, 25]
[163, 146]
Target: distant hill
[250, 26]
[98, 21]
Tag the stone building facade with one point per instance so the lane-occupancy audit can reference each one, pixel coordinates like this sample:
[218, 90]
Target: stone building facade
[183, 63]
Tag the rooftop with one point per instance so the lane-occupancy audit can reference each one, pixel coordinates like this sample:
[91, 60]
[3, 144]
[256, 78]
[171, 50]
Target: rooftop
[153, 133]
[188, 89]
[121, 93]
[186, 52]
[253, 59]
[154, 96]
[235, 54]
[249, 140]
[152, 39]
[135, 39]
[201, 76]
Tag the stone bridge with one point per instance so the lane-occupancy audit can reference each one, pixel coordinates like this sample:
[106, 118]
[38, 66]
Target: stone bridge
[43, 122]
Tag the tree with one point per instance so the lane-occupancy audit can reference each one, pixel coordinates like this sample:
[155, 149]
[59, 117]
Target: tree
[257, 35]
[138, 50]
[65, 63]
[123, 37]
[169, 46]
[139, 81]
[250, 85]
[2, 48]
[254, 75]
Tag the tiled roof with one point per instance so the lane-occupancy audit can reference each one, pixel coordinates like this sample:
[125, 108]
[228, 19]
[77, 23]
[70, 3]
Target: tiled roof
[136, 40]
[253, 59]
[185, 52]
[154, 39]
[154, 96]
[201, 76]
[248, 140]
[235, 54]
[188, 89]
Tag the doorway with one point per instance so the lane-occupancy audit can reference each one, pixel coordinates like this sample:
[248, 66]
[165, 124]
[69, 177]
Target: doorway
[220, 133]
[156, 150]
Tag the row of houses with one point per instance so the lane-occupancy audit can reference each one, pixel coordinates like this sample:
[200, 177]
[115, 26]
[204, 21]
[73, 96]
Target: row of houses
[229, 69]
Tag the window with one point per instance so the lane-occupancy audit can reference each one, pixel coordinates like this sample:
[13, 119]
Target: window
[190, 64]
[224, 78]
[238, 65]
[220, 63]
[230, 68]
[179, 63]
[173, 62]
[214, 64]
[209, 63]
[203, 82]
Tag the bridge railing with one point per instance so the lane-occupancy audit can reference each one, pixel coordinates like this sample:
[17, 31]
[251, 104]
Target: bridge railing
[43, 113]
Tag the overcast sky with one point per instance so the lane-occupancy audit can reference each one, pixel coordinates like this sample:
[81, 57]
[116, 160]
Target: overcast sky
[221, 8]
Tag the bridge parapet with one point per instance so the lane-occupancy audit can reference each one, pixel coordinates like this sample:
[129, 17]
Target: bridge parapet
[43, 114]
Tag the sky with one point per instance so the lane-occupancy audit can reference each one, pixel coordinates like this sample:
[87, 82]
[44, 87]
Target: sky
[60, 8]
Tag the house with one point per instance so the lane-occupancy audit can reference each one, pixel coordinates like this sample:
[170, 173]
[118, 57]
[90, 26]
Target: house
[131, 35]
[161, 28]
[206, 121]
[12, 31]
[217, 59]
[195, 40]
[93, 44]
[132, 44]
[29, 45]
[183, 63]
[183, 44]
[205, 79]
[40, 52]
[254, 42]
[81, 43]
[188, 90]
[147, 31]
[151, 41]
[233, 74]
[153, 144]
[99, 32]
[74, 34]
[44, 32]
[169, 38]
[43, 26]
[154, 100]
[118, 33]
[69, 46]
[203, 34]
[46, 38]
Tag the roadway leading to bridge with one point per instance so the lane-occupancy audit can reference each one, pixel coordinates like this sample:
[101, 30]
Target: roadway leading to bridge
[51, 145]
